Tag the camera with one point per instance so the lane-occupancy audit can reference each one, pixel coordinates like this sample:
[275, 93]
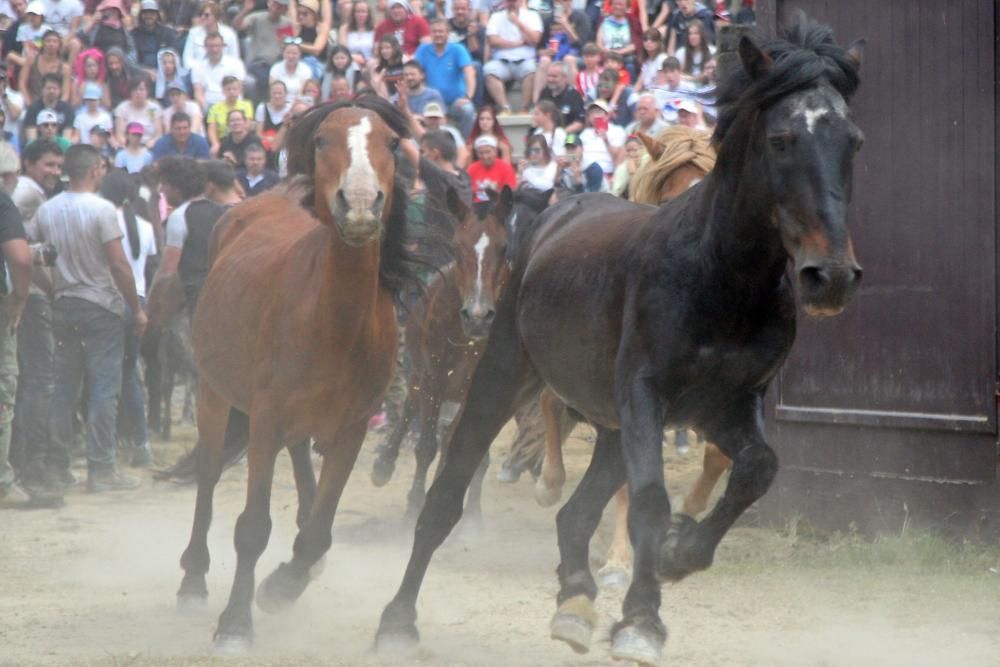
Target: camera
[43, 254]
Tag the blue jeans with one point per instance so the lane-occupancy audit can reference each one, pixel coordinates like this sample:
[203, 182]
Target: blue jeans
[464, 115]
[593, 178]
[32, 445]
[90, 347]
[132, 418]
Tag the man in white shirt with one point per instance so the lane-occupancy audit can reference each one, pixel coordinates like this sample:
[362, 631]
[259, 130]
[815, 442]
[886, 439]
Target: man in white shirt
[603, 142]
[207, 76]
[513, 35]
[63, 15]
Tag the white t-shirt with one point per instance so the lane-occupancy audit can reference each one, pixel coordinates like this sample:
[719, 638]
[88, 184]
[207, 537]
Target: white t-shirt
[84, 122]
[696, 63]
[541, 178]
[649, 70]
[556, 140]
[13, 123]
[147, 249]
[151, 117]
[194, 46]
[210, 76]
[176, 228]
[192, 109]
[293, 82]
[501, 26]
[595, 150]
[60, 13]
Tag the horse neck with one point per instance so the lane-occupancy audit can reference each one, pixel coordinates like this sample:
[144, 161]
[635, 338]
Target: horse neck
[352, 280]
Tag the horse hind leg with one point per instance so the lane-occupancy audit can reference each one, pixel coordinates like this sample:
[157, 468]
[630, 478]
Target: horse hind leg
[714, 465]
[218, 424]
[617, 570]
[283, 586]
[576, 522]
[253, 528]
[528, 449]
[558, 424]
[425, 451]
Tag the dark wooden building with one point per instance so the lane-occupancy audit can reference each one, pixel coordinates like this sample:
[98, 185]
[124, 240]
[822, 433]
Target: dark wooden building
[890, 409]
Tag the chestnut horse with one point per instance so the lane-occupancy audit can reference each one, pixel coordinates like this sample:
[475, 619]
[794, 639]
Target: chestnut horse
[295, 338]
[641, 318]
[679, 158]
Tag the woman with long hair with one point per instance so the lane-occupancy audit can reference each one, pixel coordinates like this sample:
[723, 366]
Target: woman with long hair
[387, 69]
[47, 60]
[486, 124]
[340, 64]
[313, 19]
[138, 108]
[89, 68]
[169, 72]
[358, 34]
[652, 56]
[119, 74]
[139, 243]
[546, 119]
[270, 117]
[695, 52]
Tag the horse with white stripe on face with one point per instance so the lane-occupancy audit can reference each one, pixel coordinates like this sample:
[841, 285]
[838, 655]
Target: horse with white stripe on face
[446, 333]
[295, 338]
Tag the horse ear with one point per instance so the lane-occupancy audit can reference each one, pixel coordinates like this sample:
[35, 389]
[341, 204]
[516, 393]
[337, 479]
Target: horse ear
[854, 53]
[653, 147]
[456, 206]
[755, 62]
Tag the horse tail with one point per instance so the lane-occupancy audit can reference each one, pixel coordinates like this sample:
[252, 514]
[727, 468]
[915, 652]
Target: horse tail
[234, 446]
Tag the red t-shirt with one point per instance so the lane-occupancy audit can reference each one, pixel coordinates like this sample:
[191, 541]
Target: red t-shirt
[485, 178]
[408, 34]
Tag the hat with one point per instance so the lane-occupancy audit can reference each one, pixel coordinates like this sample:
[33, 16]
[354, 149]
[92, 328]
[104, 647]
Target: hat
[572, 139]
[312, 5]
[171, 87]
[149, 6]
[100, 129]
[35, 7]
[433, 110]
[404, 3]
[92, 91]
[600, 104]
[111, 4]
[485, 140]
[686, 104]
[46, 116]
[134, 128]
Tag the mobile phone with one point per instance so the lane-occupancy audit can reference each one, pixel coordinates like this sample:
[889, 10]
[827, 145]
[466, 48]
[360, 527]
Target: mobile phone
[601, 123]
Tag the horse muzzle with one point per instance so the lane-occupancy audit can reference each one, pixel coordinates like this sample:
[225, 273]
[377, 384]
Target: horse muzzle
[358, 222]
[827, 287]
[477, 322]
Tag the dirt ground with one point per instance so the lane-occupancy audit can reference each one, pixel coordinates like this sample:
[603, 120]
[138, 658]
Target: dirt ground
[93, 583]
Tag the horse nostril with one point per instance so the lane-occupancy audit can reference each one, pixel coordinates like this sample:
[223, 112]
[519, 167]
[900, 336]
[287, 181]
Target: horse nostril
[857, 273]
[466, 315]
[488, 318]
[342, 200]
[379, 201]
[814, 277]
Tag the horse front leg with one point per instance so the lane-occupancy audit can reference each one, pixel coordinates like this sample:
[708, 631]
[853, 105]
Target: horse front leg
[305, 479]
[690, 545]
[218, 423]
[387, 452]
[253, 528]
[283, 586]
[714, 465]
[426, 449]
[549, 485]
[640, 635]
[576, 522]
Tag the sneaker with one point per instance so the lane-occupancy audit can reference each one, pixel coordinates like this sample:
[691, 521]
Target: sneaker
[57, 480]
[14, 497]
[377, 421]
[142, 456]
[110, 480]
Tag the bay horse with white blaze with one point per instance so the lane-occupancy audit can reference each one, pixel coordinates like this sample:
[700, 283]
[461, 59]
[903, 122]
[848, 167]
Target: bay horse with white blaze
[295, 338]
[641, 318]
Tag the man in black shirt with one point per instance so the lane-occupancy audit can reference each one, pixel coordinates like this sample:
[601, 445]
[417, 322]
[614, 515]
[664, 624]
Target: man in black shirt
[16, 258]
[49, 99]
[150, 35]
[565, 97]
[256, 177]
[233, 147]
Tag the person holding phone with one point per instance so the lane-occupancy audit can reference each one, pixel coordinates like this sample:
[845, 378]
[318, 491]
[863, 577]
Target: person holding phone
[603, 146]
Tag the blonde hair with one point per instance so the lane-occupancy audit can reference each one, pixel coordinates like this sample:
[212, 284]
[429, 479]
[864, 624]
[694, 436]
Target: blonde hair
[681, 145]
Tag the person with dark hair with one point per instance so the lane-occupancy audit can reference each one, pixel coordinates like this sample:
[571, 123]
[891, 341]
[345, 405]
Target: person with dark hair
[207, 74]
[107, 30]
[49, 100]
[220, 183]
[256, 177]
[439, 173]
[150, 35]
[411, 29]
[679, 21]
[139, 244]
[240, 136]
[180, 140]
[189, 226]
[264, 29]
[91, 276]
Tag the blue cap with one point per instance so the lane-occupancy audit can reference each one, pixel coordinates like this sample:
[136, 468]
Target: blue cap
[92, 91]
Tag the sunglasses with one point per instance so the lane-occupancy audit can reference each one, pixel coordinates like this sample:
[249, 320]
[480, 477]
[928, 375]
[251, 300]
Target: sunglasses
[535, 149]
[293, 40]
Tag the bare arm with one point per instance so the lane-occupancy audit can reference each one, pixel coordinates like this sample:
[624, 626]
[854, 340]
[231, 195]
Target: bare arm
[67, 82]
[199, 96]
[17, 256]
[13, 111]
[239, 21]
[469, 72]
[22, 79]
[169, 262]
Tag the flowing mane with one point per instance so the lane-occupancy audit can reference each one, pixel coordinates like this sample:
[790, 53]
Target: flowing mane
[805, 55]
[398, 266]
[681, 145]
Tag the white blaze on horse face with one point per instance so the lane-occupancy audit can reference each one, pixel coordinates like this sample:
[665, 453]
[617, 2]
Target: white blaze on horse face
[815, 107]
[481, 245]
[359, 183]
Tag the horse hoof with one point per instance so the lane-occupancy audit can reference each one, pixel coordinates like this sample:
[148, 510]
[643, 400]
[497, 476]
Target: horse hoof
[679, 556]
[382, 472]
[280, 589]
[545, 496]
[397, 643]
[508, 475]
[632, 644]
[189, 602]
[613, 577]
[574, 623]
[317, 569]
[233, 645]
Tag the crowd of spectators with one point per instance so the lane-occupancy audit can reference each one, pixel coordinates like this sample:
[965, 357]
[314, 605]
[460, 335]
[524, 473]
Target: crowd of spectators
[96, 95]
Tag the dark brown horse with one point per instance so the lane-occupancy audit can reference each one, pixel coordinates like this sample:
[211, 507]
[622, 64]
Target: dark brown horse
[642, 318]
[295, 338]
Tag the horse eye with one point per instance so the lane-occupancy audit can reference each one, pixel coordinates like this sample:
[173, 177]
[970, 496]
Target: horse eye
[394, 144]
[779, 143]
[320, 143]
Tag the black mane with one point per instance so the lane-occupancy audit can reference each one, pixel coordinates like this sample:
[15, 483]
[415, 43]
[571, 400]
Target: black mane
[805, 56]
[398, 267]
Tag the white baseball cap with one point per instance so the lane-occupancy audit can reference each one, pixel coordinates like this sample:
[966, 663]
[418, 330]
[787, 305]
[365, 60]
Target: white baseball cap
[485, 140]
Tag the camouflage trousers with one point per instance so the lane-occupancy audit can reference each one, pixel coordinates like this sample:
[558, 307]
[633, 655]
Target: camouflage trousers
[8, 391]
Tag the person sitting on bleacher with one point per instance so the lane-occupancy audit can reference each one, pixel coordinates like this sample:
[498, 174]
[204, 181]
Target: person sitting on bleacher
[513, 33]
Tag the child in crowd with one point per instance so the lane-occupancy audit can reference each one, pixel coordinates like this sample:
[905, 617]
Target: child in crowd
[89, 70]
[135, 156]
[586, 79]
[218, 114]
[92, 114]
